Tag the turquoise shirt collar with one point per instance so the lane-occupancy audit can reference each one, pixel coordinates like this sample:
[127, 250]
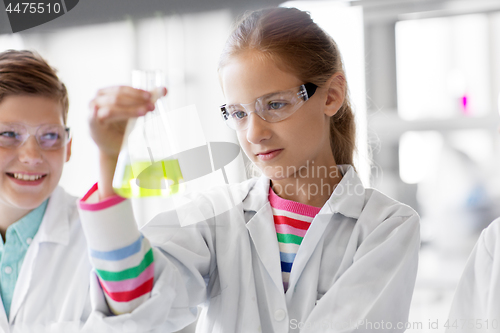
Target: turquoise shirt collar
[18, 239]
[27, 227]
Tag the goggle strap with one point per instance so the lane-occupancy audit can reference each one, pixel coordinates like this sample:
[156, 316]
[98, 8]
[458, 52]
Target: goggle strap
[224, 113]
[310, 89]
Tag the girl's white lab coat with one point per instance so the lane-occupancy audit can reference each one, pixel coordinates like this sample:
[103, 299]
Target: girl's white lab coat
[355, 269]
[57, 288]
[476, 304]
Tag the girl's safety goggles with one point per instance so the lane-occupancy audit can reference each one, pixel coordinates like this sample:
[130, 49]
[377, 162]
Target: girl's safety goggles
[48, 136]
[272, 107]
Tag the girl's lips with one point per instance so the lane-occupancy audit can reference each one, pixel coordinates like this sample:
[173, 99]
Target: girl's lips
[269, 154]
[27, 182]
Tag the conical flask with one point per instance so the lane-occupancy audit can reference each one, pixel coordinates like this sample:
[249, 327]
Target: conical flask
[145, 167]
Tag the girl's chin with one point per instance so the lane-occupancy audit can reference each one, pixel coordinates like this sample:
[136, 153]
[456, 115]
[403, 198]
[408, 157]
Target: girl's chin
[276, 172]
[275, 176]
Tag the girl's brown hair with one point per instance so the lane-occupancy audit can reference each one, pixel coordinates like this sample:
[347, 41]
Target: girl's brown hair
[297, 45]
[26, 73]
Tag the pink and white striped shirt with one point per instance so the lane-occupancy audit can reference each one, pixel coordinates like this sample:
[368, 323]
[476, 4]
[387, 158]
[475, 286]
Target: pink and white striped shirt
[291, 220]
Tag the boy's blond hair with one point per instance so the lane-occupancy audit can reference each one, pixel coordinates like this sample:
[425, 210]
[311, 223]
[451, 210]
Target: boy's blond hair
[26, 73]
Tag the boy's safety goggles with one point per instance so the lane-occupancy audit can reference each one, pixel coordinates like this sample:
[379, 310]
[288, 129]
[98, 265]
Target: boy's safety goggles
[272, 107]
[48, 136]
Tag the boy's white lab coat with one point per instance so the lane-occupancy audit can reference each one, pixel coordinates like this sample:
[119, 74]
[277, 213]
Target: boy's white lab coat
[476, 304]
[53, 284]
[355, 269]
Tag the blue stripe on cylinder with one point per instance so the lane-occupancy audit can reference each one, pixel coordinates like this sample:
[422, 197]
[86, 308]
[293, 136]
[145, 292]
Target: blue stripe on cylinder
[118, 254]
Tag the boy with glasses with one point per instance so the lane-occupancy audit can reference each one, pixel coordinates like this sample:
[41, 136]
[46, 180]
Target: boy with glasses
[47, 281]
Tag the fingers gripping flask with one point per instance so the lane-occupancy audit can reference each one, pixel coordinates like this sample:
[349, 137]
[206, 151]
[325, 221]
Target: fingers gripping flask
[144, 168]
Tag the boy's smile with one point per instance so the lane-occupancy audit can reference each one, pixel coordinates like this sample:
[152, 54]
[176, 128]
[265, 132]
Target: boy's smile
[27, 178]
[29, 173]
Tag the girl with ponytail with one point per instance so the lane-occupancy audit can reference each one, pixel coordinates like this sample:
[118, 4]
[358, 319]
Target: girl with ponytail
[308, 248]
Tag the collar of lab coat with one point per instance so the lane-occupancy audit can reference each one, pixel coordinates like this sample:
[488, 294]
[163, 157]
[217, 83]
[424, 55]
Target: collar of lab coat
[348, 198]
[54, 228]
[55, 223]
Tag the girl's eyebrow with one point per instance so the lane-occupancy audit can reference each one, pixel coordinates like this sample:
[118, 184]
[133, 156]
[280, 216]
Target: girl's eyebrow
[274, 93]
[260, 97]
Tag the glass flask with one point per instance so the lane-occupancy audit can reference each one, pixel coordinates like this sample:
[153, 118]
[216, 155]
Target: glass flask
[145, 166]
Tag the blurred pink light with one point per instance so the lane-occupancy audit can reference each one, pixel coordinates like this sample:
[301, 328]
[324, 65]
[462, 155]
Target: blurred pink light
[465, 109]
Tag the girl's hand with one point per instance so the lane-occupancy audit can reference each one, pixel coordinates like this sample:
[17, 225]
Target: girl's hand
[110, 110]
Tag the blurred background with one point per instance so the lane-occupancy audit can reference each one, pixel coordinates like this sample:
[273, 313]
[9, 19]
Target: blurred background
[424, 77]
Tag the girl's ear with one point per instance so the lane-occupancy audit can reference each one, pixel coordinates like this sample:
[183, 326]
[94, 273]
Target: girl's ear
[336, 94]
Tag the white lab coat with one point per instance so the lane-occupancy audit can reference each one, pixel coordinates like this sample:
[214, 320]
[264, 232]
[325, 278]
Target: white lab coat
[476, 304]
[57, 288]
[357, 263]
[53, 284]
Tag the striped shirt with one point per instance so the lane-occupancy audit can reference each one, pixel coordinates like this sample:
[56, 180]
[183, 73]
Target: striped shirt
[291, 220]
[124, 265]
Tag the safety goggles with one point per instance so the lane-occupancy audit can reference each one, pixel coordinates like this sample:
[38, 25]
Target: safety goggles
[48, 136]
[272, 107]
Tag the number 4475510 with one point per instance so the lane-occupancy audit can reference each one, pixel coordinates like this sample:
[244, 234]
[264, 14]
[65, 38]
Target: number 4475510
[34, 8]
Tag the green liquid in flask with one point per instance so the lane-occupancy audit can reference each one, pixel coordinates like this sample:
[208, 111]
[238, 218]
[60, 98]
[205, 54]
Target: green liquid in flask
[143, 179]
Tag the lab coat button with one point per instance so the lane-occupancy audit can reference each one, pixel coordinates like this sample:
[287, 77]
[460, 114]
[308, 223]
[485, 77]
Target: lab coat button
[29, 240]
[7, 270]
[279, 315]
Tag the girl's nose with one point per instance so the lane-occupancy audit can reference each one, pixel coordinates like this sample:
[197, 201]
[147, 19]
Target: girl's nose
[258, 129]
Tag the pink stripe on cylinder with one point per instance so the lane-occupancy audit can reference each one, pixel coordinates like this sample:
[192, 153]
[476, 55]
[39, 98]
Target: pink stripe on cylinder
[287, 229]
[130, 284]
[111, 201]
